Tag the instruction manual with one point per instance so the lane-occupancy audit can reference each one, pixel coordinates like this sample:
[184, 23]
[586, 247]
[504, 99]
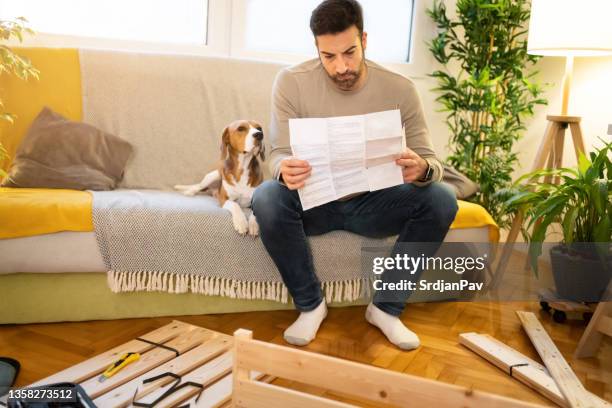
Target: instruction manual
[348, 154]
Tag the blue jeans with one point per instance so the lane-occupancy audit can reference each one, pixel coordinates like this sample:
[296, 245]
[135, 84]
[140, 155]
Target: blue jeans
[417, 214]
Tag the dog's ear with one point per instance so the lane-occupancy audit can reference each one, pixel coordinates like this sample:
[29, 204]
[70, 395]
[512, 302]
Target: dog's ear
[262, 151]
[225, 141]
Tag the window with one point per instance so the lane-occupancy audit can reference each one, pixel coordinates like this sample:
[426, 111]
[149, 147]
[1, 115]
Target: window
[281, 26]
[159, 21]
[272, 30]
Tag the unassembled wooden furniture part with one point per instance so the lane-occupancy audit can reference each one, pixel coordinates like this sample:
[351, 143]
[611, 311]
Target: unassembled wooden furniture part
[196, 364]
[570, 386]
[184, 365]
[519, 366]
[346, 379]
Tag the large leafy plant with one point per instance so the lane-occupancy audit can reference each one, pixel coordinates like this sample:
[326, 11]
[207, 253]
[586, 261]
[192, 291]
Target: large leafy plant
[581, 202]
[12, 64]
[485, 89]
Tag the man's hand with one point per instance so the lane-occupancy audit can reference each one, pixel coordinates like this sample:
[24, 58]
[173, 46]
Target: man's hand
[295, 172]
[413, 165]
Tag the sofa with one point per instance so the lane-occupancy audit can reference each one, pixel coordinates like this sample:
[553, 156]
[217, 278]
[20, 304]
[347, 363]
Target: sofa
[54, 260]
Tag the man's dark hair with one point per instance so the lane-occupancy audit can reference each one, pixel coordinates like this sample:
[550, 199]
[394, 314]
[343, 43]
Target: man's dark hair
[335, 16]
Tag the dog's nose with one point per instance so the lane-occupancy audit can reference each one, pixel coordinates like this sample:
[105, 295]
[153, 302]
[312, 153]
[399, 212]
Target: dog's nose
[258, 135]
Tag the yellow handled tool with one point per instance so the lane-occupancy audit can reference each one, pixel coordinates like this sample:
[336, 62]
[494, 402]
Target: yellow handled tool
[114, 368]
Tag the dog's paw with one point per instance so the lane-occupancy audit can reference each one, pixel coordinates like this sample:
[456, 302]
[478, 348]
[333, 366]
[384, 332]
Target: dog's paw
[190, 192]
[187, 190]
[253, 226]
[240, 224]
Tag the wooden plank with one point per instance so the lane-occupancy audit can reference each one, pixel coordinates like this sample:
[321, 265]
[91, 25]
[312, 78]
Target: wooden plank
[96, 365]
[534, 374]
[219, 394]
[573, 390]
[149, 361]
[240, 373]
[362, 381]
[205, 375]
[123, 395]
[526, 370]
[261, 395]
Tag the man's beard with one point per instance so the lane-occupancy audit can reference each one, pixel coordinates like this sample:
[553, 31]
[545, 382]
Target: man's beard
[347, 80]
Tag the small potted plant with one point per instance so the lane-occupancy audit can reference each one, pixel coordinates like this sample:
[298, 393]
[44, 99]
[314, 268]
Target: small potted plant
[582, 203]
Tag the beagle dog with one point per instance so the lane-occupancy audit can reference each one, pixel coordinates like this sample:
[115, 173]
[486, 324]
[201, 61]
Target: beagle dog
[237, 175]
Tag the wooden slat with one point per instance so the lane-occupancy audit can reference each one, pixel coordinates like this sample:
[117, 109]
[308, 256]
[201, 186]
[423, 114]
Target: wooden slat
[362, 381]
[148, 361]
[533, 375]
[96, 365]
[123, 395]
[261, 395]
[219, 394]
[573, 390]
[240, 373]
[205, 375]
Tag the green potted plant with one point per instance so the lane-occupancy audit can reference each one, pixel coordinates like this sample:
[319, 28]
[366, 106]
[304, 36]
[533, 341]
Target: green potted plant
[581, 202]
[486, 85]
[12, 64]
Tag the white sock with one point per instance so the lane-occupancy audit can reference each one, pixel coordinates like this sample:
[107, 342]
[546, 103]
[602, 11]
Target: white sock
[393, 328]
[305, 328]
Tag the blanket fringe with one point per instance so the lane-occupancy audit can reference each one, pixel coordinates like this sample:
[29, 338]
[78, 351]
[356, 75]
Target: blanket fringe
[149, 281]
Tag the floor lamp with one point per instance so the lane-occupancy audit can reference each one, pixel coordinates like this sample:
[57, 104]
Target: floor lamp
[567, 28]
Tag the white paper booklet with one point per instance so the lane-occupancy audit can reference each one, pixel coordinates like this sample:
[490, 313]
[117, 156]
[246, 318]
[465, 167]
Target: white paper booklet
[348, 154]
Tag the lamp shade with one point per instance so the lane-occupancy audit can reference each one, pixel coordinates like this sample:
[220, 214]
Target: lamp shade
[570, 27]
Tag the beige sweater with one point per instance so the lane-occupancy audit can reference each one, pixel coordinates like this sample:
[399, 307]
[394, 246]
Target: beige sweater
[305, 91]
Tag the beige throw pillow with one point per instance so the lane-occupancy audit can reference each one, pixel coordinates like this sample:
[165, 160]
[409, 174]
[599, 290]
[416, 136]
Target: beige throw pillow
[60, 153]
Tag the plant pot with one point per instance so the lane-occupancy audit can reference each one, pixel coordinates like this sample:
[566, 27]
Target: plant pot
[579, 274]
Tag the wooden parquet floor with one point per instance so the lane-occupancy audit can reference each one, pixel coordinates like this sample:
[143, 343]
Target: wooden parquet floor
[46, 348]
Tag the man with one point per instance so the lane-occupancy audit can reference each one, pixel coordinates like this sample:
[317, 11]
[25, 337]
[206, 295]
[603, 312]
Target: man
[342, 82]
